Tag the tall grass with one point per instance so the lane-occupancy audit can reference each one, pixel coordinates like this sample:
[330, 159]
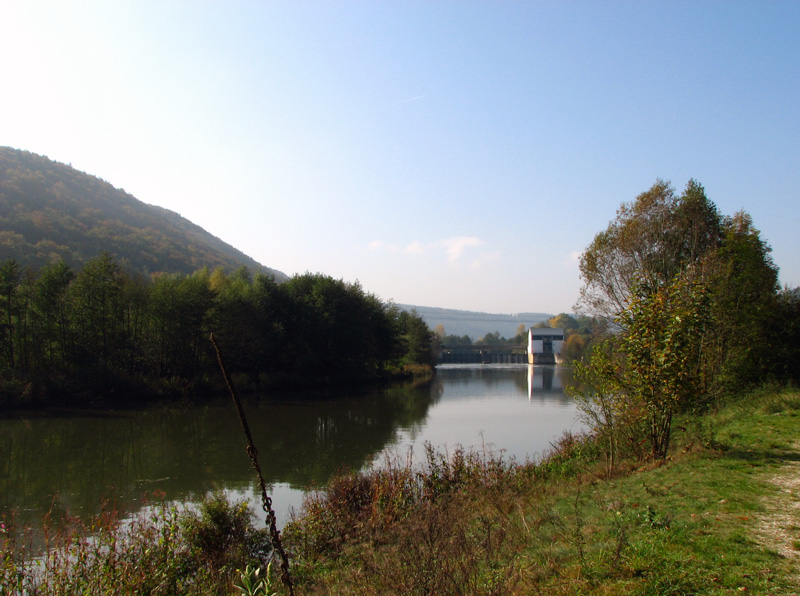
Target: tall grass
[163, 550]
[468, 523]
[450, 524]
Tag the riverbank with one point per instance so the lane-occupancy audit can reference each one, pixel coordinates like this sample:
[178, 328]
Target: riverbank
[715, 518]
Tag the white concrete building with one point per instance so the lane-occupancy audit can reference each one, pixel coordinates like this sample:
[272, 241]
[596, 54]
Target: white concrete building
[544, 345]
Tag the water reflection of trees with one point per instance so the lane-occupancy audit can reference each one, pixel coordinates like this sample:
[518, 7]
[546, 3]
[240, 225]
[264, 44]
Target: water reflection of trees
[76, 462]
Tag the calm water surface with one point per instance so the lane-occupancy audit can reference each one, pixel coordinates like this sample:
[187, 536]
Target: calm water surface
[75, 461]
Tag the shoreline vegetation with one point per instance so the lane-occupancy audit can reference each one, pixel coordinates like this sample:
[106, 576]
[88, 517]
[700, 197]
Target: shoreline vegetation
[708, 519]
[106, 337]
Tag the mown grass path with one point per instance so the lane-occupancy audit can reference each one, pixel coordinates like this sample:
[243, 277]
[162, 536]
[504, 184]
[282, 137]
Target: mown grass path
[779, 527]
[721, 517]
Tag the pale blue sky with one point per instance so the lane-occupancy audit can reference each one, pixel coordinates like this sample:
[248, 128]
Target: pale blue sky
[450, 154]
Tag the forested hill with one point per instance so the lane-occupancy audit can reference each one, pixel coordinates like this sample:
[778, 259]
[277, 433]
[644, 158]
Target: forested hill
[50, 211]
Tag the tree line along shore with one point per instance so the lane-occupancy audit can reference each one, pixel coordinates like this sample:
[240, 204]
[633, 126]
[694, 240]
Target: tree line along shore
[103, 335]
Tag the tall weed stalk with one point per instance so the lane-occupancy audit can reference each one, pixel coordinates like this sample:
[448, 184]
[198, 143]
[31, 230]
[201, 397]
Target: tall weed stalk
[266, 501]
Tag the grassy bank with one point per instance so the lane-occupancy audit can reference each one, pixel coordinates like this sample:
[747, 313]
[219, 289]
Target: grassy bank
[718, 517]
[709, 520]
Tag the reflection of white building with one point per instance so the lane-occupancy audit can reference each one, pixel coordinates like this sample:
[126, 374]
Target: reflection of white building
[544, 345]
[545, 380]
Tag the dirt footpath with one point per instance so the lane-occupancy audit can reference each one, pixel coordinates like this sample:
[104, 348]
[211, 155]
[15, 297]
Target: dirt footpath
[779, 526]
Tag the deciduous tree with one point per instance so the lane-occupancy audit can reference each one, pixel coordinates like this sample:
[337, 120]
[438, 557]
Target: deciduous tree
[744, 282]
[9, 278]
[50, 306]
[650, 241]
[649, 371]
[96, 297]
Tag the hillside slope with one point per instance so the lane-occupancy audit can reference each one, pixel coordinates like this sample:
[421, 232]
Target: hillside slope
[50, 211]
[475, 324]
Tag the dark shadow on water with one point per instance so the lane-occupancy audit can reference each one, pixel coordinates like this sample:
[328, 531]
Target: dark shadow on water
[74, 461]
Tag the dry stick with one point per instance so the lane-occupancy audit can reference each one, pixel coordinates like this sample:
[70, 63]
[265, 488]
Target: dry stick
[266, 502]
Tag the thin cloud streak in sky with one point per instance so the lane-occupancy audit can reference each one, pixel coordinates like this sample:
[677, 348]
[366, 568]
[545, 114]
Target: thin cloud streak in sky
[409, 100]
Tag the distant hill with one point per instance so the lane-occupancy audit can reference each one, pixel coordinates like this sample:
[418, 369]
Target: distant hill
[50, 211]
[475, 324]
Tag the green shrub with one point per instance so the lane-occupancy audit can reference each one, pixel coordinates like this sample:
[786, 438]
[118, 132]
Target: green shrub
[161, 551]
[221, 534]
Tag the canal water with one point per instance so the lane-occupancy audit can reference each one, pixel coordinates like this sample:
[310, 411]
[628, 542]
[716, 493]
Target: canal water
[77, 462]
